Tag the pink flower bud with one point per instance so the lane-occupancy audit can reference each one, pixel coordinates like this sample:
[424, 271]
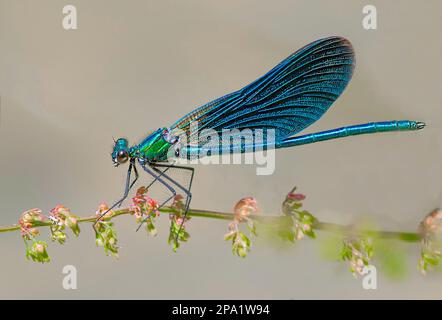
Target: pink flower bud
[39, 248]
[103, 207]
[152, 204]
[245, 207]
[73, 220]
[295, 196]
[432, 223]
[60, 210]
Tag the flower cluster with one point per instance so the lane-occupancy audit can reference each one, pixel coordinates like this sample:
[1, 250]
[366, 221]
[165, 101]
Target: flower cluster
[302, 222]
[105, 234]
[28, 222]
[145, 210]
[430, 230]
[240, 242]
[177, 230]
[58, 218]
[37, 252]
[358, 251]
[62, 217]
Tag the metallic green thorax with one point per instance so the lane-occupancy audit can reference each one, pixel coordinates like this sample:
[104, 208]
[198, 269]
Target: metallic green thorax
[154, 148]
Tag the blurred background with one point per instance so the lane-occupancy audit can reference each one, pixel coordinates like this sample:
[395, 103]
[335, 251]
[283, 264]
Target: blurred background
[134, 66]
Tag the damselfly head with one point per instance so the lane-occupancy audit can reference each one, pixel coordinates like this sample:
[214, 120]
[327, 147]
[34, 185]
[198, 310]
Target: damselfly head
[120, 154]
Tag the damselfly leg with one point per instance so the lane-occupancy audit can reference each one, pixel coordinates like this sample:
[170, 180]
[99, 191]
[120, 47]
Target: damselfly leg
[127, 188]
[186, 191]
[154, 180]
[158, 177]
[126, 192]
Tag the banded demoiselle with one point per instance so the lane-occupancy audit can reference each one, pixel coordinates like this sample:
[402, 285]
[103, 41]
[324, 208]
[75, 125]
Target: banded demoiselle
[289, 98]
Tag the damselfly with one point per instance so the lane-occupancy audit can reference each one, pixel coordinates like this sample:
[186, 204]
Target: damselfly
[289, 98]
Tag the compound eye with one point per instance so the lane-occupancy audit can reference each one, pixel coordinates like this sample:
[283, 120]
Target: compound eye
[122, 156]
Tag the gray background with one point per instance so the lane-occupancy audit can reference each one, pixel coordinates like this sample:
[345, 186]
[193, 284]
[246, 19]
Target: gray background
[134, 66]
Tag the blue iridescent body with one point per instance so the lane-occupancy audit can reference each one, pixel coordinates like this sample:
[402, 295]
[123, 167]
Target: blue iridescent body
[289, 98]
[286, 100]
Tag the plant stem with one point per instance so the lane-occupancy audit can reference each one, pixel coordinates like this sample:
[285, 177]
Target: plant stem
[324, 226]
